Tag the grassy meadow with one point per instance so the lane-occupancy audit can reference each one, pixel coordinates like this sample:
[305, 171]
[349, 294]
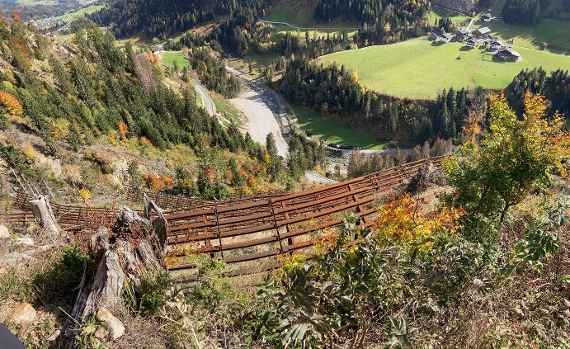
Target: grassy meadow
[334, 131]
[73, 15]
[300, 13]
[295, 12]
[169, 58]
[417, 69]
[550, 34]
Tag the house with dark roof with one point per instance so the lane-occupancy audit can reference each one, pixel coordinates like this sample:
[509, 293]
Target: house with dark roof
[483, 31]
[443, 39]
[448, 37]
[508, 55]
[464, 34]
[471, 43]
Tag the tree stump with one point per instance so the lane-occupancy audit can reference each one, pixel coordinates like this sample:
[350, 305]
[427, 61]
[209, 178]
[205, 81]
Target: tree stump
[135, 245]
[41, 209]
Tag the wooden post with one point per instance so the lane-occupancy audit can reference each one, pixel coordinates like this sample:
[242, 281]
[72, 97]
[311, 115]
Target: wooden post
[218, 231]
[44, 214]
[276, 226]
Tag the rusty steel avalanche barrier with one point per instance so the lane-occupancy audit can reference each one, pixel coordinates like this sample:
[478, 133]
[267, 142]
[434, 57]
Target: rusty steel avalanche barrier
[249, 235]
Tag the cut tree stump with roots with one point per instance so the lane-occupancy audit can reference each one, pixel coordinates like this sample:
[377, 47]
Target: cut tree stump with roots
[134, 246]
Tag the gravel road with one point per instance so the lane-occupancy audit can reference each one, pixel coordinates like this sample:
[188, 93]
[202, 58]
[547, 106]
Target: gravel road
[263, 111]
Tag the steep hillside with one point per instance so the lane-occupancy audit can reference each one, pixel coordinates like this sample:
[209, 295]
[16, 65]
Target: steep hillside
[159, 18]
[40, 8]
[91, 115]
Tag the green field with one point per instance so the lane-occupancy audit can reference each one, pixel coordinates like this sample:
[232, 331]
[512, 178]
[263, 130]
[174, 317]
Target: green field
[294, 12]
[416, 69]
[435, 15]
[169, 57]
[551, 34]
[300, 13]
[71, 16]
[334, 131]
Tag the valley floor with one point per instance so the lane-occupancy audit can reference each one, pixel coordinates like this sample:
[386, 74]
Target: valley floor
[417, 69]
[262, 112]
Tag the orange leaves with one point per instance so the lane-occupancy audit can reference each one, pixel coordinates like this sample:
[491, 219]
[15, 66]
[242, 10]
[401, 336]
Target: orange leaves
[152, 58]
[158, 183]
[403, 220]
[16, 17]
[123, 128]
[22, 54]
[11, 103]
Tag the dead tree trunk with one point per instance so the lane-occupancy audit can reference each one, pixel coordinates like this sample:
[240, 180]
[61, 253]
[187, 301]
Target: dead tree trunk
[134, 246]
[44, 214]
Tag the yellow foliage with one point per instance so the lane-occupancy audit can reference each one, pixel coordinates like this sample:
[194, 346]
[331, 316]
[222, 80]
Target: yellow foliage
[85, 194]
[289, 264]
[146, 142]
[402, 220]
[59, 128]
[152, 58]
[354, 76]
[472, 131]
[29, 151]
[266, 158]
[112, 136]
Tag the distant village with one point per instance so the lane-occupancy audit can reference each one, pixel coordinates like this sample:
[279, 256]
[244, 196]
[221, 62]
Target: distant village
[480, 38]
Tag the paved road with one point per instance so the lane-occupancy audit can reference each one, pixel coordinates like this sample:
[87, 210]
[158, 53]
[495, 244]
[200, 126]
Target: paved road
[263, 110]
[207, 101]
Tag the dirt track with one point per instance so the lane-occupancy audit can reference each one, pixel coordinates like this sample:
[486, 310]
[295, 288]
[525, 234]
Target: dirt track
[262, 110]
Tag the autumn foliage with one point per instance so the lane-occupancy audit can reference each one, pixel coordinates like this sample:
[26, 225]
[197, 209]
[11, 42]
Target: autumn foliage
[152, 58]
[516, 158]
[123, 129]
[157, 183]
[11, 103]
[403, 220]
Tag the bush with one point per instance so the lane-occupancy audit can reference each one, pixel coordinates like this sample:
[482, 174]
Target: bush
[150, 296]
[449, 265]
[13, 284]
[59, 284]
[16, 160]
[541, 238]
[212, 287]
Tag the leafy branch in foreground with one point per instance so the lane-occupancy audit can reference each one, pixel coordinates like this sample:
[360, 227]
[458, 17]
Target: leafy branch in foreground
[516, 158]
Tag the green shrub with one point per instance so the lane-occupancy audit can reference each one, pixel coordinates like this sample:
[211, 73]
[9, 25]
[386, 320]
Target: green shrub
[16, 160]
[541, 238]
[86, 338]
[150, 296]
[212, 287]
[449, 265]
[59, 283]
